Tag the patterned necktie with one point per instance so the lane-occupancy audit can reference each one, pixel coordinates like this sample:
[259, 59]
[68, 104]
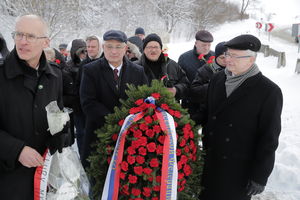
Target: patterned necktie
[116, 77]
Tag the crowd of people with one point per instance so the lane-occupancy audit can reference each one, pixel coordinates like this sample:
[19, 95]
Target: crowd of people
[223, 90]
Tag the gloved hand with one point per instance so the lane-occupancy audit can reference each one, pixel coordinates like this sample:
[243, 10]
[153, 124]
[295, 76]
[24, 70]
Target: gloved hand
[60, 140]
[254, 188]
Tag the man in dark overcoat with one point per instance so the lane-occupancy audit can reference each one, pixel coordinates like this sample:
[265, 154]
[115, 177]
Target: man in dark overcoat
[27, 84]
[103, 84]
[242, 125]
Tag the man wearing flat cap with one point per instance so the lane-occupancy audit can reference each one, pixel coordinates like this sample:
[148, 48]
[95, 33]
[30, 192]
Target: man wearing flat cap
[194, 59]
[241, 127]
[104, 82]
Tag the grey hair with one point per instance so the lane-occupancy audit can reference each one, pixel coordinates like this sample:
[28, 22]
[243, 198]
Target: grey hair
[251, 53]
[50, 53]
[45, 24]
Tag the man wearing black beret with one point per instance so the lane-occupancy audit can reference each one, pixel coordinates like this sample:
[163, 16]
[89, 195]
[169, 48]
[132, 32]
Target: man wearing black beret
[104, 82]
[241, 126]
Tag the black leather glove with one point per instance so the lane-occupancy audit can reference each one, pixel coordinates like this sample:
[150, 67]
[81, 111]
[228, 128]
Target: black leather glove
[254, 188]
[60, 140]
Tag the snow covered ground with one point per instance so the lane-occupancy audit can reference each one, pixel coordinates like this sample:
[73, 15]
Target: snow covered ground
[284, 182]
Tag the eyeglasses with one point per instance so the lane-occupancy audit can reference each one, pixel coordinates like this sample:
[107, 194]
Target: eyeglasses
[111, 47]
[229, 55]
[28, 36]
[152, 47]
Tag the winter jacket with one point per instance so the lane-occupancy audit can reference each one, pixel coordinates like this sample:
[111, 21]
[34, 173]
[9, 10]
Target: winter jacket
[240, 136]
[3, 49]
[169, 69]
[24, 94]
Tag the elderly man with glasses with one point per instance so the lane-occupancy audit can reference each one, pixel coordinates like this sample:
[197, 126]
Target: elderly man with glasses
[241, 126]
[103, 84]
[27, 84]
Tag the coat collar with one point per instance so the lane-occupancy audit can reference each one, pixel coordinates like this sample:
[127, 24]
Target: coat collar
[14, 65]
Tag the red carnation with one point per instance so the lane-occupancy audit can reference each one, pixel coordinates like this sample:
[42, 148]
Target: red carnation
[131, 150]
[122, 176]
[146, 191]
[143, 127]
[150, 178]
[156, 129]
[121, 122]
[132, 179]
[135, 191]
[134, 110]
[137, 134]
[154, 162]
[139, 102]
[147, 171]
[143, 141]
[161, 139]
[148, 119]
[187, 170]
[201, 56]
[181, 189]
[178, 152]
[187, 149]
[130, 159]
[124, 166]
[154, 117]
[182, 143]
[158, 179]
[155, 95]
[171, 112]
[175, 124]
[151, 147]
[192, 134]
[142, 151]
[114, 137]
[179, 165]
[184, 159]
[149, 133]
[125, 189]
[135, 144]
[180, 176]
[177, 114]
[159, 149]
[154, 198]
[140, 159]
[57, 61]
[156, 188]
[138, 170]
[108, 160]
[164, 106]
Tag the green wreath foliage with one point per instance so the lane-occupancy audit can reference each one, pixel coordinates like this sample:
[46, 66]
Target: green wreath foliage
[105, 144]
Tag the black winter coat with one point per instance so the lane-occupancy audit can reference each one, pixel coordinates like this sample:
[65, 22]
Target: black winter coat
[240, 136]
[169, 67]
[100, 93]
[190, 63]
[23, 120]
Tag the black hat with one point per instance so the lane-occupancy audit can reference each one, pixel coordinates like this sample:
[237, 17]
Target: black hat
[137, 41]
[244, 42]
[152, 37]
[115, 35]
[204, 36]
[220, 49]
[139, 30]
[62, 46]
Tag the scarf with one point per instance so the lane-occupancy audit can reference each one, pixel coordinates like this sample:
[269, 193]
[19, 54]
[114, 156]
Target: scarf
[233, 82]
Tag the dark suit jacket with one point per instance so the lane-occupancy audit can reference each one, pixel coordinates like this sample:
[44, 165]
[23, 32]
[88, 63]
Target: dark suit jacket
[240, 136]
[100, 93]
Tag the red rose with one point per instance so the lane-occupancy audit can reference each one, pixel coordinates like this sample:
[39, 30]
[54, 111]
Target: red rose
[156, 129]
[154, 117]
[114, 137]
[121, 122]
[188, 127]
[143, 127]
[134, 110]
[182, 143]
[187, 149]
[171, 112]
[177, 114]
[154, 198]
[186, 135]
[150, 178]
[164, 106]
[180, 176]
[154, 162]
[156, 188]
[135, 144]
[124, 190]
[137, 134]
[138, 170]
[161, 139]
[149, 133]
[139, 102]
[159, 149]
[181, 189]
[135, 192]
[179, 165]
[132, 179]
[140, 159]
[187, 170]
[147, 171]
[158, 179]
[192, 134]
[142, 151]
[148, 120]
[155, 95]
[178, 152]
[130, 159]
[146, 191]
[122, 176]
[151, 147]
[184, 159]
[143, 141]
[183, 182]
[124, 166]
[131, 150]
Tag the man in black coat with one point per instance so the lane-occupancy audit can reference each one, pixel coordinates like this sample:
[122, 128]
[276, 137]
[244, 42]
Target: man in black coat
[242, 125]
[161, 67]
[27, 84]
[3, 49]
[104, 83]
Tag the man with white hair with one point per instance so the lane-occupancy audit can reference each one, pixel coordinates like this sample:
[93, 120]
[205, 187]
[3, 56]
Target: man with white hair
[27, 84]
[241, 127]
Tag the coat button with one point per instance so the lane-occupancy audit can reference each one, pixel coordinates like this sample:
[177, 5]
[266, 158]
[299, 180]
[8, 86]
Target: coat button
[214, 117]
[227, 139]
[230, 125]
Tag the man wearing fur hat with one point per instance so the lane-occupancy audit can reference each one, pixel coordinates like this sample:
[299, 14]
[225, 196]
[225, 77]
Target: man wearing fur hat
[241, 127]
[160, 66]
[103, 84]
